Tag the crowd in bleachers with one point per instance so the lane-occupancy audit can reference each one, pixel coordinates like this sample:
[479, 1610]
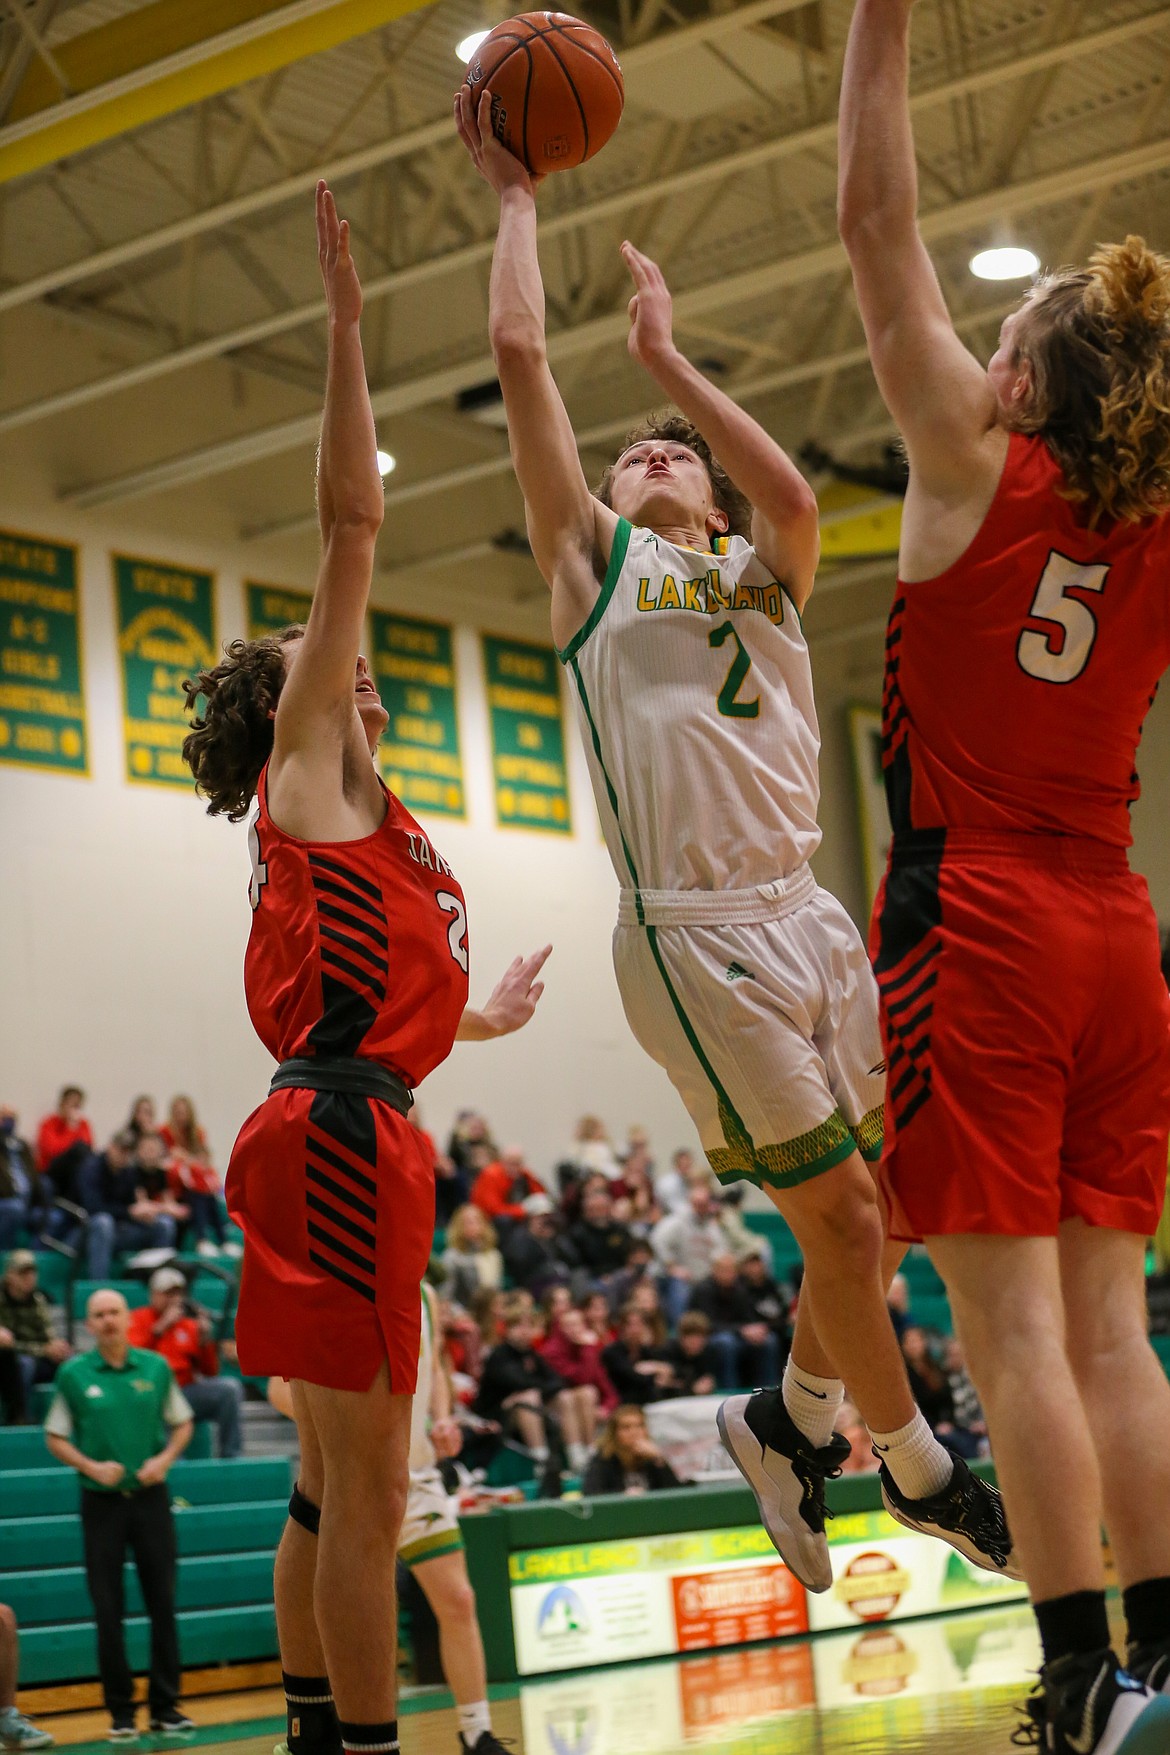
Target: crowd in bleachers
[615, 1282]
[612, 1280]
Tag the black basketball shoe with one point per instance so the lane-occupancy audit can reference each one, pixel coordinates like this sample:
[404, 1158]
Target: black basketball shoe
[968, 1513]
[787, 1476]
[1089, 1705]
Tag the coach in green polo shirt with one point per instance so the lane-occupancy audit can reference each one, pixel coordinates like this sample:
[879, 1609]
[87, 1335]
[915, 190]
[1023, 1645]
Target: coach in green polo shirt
[120, 1420]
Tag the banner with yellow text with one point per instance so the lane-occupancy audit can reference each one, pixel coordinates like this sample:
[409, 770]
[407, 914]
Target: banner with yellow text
[529, 776]
[414, 670]
[42, 706]
[271, 608]
[166, 631]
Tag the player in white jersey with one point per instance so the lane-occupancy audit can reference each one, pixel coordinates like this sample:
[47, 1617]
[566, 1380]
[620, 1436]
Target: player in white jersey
[430, 1541]
[743, 979]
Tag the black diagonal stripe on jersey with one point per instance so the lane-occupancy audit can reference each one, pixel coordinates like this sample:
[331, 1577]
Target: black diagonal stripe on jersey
[329, 888]
[907, 1079]
[358, 949]
[912, 998]
[342, 1249]
[355, 971]
[339, 1192]
[319, 862]
[376, 934]
[907, 1029]
[331, 1158]
[337, 1273]
[913, 1105]
[889, 983]
[350, 1226]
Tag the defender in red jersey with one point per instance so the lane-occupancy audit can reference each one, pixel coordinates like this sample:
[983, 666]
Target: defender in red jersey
[356, 979]
[1026, 1023]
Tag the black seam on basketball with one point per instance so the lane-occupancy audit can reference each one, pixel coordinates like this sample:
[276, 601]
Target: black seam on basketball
[584, 49]
[527, 156]
[569, 82]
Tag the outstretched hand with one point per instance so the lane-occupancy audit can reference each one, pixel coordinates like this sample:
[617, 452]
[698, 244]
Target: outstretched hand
[516, 995]
[499, 167]
[651, 333]
[343, 292]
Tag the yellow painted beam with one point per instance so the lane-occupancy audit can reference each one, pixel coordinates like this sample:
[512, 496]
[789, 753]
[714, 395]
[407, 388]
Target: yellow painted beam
[110, 51]
[119, 87]
[857, 523]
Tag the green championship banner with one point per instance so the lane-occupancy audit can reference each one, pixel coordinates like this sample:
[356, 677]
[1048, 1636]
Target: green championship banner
[414, 669]
[166, 632]
[528, 736]
[42, 710]
[271, 608]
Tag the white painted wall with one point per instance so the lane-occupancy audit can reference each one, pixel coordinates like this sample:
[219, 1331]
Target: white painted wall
[124, 913]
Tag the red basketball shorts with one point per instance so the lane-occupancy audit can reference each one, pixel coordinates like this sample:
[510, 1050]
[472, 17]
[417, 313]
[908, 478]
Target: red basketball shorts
[336, 1200]
[1026, 1027]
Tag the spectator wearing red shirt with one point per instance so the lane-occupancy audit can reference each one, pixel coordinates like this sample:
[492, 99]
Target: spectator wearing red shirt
[501, 1189]
[194, 1179]
[66, 1127]
[574, 1352]
[168, 1325]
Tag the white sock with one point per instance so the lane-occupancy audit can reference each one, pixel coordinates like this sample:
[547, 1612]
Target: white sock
[915, 1458]
[813, 1403]
[474, 1720]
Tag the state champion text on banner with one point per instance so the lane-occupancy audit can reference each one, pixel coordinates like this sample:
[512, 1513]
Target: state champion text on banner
[166, 632]
[42, 704]
[271, 608]
[529, 776]
[414, 672]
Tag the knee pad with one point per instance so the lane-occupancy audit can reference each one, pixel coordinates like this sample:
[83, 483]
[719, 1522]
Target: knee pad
[304, 1512]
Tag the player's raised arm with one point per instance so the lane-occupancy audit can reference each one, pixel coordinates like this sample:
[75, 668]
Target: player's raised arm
[317, 702]
[937, 392]
[785, 531]
[564, 520]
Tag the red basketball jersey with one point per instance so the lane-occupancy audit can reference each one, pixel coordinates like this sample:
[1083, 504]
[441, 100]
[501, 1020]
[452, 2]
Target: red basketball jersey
[1017, 681]
[357, 947]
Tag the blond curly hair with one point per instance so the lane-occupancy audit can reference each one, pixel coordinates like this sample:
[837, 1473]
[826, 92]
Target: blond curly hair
[1097, 342]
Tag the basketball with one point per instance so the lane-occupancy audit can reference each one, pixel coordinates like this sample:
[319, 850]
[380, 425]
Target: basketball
[556, 87]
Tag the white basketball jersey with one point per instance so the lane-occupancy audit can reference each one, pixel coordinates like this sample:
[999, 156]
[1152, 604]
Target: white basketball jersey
[694, 691]
[422, 1451]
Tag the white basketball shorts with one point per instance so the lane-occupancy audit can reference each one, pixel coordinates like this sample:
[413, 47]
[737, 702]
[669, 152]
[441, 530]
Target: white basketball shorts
[431, 1525]
[761, 1007]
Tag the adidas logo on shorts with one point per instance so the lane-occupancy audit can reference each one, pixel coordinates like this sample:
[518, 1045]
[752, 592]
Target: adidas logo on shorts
[737, 972]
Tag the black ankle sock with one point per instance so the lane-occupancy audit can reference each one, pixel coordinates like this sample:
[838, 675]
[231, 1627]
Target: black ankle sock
[1147, 1611]
[370, 1739]
[1074, 1625]
[312, 1716]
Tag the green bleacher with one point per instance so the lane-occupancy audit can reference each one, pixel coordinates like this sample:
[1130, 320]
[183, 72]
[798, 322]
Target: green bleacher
[228, 1519]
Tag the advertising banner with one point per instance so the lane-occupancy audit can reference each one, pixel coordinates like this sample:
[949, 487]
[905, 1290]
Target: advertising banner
[529, 777]
[166, 632]
[271, 608]
[42, 706]
[882, 1577]
[419, 755]
[608, 1601]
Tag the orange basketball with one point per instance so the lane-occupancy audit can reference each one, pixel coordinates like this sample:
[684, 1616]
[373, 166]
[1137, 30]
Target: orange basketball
[557, 90]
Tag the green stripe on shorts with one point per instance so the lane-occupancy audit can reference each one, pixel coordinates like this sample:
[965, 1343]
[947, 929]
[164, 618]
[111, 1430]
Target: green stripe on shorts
[797, 1160]
[869, 1132]
[431, 1547]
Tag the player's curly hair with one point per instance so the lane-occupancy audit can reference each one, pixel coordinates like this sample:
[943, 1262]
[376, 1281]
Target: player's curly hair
[228, 746]
[676, 429]
[1097, 340]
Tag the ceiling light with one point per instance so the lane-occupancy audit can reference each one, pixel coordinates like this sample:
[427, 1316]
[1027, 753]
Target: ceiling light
[466, 49]
[1008, 262]
[386, 463]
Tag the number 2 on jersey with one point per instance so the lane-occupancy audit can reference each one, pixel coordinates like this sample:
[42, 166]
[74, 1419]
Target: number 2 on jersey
[734, 680]
[457, 931]
[1077, 623]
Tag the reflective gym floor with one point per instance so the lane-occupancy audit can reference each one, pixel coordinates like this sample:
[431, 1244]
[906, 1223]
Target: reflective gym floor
[948, 1686]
